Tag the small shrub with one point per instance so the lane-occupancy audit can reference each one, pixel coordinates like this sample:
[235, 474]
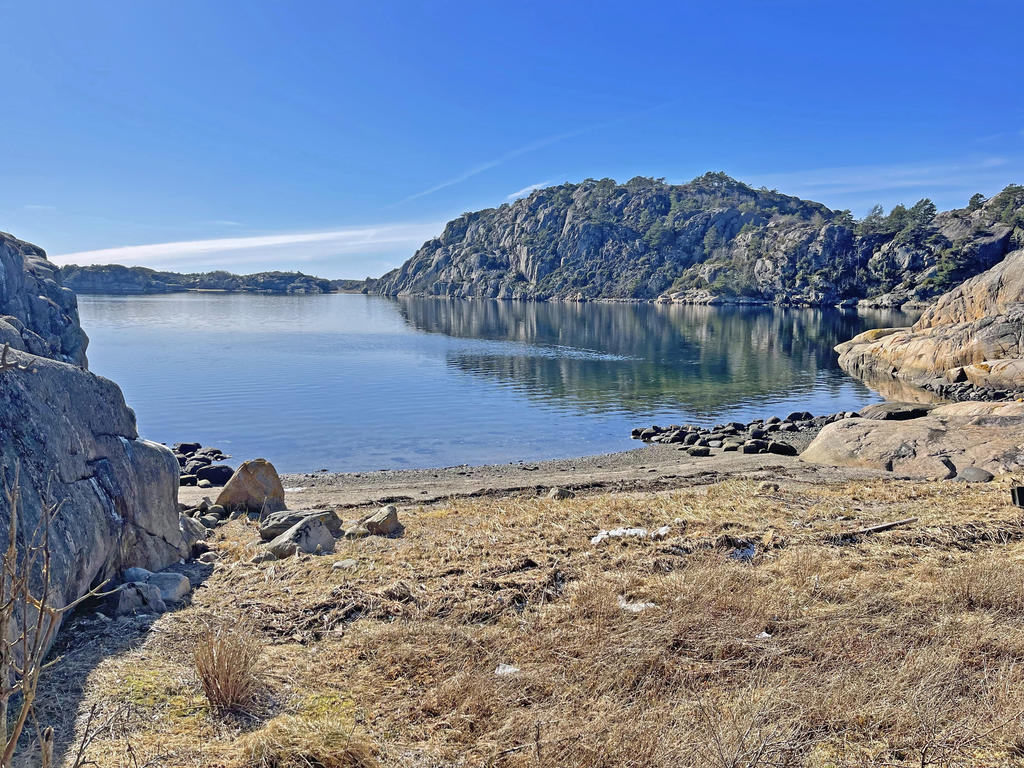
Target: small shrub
[226, 661]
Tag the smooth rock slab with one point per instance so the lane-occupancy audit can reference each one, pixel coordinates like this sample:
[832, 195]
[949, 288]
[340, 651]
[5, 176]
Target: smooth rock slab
[989, 436]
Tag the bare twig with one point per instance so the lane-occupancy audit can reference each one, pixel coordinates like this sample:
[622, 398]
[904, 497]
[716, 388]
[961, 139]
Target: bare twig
[28, 619]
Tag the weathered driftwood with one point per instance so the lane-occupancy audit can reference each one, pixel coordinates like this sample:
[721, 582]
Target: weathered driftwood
[877, 528]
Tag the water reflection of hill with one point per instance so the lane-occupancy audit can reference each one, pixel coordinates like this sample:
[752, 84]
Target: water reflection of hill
[702, 359]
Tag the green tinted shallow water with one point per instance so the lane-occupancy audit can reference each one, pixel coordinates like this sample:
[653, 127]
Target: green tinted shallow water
[352, 383]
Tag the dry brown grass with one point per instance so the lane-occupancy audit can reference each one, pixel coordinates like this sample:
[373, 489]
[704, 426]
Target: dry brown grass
[900, 649]
[227, 661]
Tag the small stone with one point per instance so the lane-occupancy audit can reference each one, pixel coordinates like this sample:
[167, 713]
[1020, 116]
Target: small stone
[506, 670]
[699, 451]
[217, 474]
[383, 522]
[781, 449]
[174, 587]
[345, 565]
[136, 574]
[209, 557]
[217, 510]
[204, 484]
[560, 493]
[137, 597]
[210, 521]
[974, 475]
[263, 557]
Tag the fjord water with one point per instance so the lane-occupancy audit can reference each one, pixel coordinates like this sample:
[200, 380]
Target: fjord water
[354, 383]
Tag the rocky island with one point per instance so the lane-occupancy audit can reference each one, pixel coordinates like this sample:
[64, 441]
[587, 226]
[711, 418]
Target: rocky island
[115, 279]
[712, 240]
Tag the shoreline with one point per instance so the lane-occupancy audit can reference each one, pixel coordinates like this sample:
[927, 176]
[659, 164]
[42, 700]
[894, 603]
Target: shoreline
[867, 304]
[645, 468]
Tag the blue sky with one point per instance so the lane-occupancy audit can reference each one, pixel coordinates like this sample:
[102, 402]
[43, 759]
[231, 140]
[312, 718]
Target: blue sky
[335, 137]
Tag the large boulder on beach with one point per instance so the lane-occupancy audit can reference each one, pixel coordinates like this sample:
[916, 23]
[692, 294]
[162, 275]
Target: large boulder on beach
[938, 446]
[69, 439]
[254, 487]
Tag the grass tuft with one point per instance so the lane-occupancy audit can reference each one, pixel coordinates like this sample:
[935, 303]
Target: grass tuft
[227, 659]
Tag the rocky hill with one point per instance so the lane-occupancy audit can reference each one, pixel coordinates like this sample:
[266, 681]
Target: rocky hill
[713, 240]
[121, 280]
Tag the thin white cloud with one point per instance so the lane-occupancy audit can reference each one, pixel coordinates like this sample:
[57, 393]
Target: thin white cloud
[873, 178]
[278, 250]
[39, 208]
[486, 166]
[531, 147]
[527, 190]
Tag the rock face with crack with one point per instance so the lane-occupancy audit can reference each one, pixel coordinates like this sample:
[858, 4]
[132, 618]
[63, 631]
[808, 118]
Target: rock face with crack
[73, 439]
[940, 445]
[973, 333]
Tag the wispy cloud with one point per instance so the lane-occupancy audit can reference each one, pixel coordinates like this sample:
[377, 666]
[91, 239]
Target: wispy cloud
[486, 166]
[836, 186]
[279, 250]
[39, 208]
[527, 190]
[525, 149]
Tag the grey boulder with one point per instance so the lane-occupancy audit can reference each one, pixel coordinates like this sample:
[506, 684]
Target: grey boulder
[383, 522]
[276, 523]
[311, 536]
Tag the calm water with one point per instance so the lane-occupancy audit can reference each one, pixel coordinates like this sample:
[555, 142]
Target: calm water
[352, 383]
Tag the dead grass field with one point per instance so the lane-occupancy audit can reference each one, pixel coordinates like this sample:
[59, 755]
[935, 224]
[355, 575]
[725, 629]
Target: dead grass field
[904, 648]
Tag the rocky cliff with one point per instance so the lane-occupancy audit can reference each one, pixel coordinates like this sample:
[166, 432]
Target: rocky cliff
[120, 280]
[713, 240]
[73, 441]
[973, 336]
